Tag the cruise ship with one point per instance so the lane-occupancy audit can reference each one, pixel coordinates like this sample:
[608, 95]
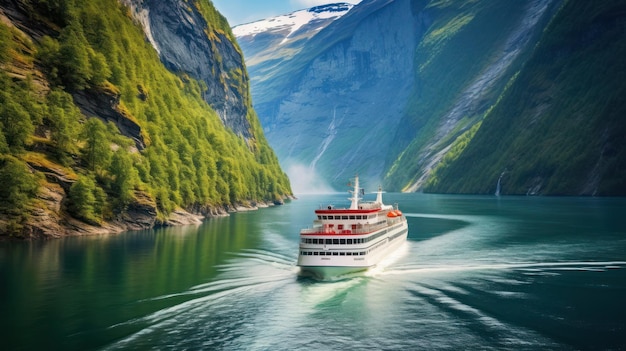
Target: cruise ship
[347, 240]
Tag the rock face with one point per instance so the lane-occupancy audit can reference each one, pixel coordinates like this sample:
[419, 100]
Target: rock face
[337, 103]
[180, 34]
[106, 106]
[384, 90]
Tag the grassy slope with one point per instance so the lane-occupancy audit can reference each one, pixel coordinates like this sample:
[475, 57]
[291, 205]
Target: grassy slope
[559, 129]
[461, 41]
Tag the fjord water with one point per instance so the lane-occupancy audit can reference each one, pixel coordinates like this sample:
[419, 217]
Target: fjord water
[476, 273]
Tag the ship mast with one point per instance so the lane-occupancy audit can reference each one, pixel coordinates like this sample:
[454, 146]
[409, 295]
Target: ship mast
[354, 205]
[379, 195]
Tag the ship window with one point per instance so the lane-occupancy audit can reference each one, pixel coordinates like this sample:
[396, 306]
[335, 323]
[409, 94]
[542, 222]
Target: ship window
[348, 253]
[314, 241]
[335, 254]
[342, 254]
[342, 241]
[340, 227]
[362, 253]
[316, 253]
[344, 217]
[352, 217]
[336, 241]
[359, 217]
[337, 217]
[319, 217]
[329, 241]
[349, 241]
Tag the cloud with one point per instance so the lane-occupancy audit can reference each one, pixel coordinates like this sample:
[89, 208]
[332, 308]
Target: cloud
[311, 3]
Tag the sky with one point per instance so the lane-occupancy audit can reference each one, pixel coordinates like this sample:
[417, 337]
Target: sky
[246, 11]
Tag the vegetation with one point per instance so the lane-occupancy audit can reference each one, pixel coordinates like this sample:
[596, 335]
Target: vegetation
[460, 42]
[190, 160]
[559, 128]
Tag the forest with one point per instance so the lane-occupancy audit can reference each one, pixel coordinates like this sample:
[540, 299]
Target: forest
[183, 155]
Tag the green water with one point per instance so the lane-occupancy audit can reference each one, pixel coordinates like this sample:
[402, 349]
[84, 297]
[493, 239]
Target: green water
[476, 273]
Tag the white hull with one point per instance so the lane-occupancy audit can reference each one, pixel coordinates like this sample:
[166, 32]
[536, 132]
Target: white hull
[338, 260]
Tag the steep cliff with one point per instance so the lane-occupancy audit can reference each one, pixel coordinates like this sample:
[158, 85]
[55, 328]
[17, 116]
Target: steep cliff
[98, 135]
[331, 107]
[558, 128]
[464, 62]
[187, 43]
[384, 90]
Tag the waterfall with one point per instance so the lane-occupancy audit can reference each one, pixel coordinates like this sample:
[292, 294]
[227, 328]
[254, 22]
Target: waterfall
[498, 187]
[332, 133]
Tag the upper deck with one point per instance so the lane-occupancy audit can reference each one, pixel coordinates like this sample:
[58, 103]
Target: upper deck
[361, 218]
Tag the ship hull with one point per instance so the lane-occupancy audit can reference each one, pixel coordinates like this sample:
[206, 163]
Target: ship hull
[335, 262]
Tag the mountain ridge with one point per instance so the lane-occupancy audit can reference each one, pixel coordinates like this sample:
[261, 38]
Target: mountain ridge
[310, 88]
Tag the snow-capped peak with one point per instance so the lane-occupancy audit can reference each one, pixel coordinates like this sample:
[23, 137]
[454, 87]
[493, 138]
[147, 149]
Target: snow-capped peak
[293, 21]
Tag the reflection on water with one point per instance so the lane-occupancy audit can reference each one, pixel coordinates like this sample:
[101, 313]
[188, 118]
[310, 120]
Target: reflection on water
[477, 272]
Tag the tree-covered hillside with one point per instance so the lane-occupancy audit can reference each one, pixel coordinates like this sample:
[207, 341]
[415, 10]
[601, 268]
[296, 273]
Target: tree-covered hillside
[559, 127]
[142, 136]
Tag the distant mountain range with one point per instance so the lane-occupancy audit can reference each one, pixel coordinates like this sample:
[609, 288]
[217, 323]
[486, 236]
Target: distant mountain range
[446, 96]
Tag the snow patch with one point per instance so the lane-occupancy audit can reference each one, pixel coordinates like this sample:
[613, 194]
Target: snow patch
[293, 21]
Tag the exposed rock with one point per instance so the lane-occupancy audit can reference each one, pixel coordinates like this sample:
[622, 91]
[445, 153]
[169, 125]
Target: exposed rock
[106, 106]
[140, 214]
[352, 79]
[181, 217]
[180, 34]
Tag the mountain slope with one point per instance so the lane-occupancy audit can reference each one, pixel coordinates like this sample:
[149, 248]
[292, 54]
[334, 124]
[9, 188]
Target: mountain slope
[98, 135]
[558, 128]
[384, 90]
[322, 107]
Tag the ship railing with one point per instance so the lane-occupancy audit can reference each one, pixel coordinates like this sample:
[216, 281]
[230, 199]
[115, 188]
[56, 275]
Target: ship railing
[359, 230]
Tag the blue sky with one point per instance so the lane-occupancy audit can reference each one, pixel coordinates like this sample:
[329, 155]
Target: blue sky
[245, 11]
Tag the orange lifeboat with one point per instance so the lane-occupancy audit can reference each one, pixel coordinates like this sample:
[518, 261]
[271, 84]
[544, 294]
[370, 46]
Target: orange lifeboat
[392, 214]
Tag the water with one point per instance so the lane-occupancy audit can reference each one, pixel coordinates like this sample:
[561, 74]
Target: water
[476, 273]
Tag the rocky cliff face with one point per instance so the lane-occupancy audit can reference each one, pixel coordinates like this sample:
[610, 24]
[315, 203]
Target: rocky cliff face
[386, 89]
[186, 44]
[85, 177]
[344, 93]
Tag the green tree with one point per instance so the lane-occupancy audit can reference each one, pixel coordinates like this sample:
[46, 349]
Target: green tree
[100, 70]
[19, 184]
[64, 119]
[86, 200]
[16, 123]
[125, 177]
[97, 150]
[74, 65]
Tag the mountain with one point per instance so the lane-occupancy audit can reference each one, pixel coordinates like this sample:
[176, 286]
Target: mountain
[558, 128]
[444, 96]
[383, 81]
[268, 43]
[125, 115]
[325, 106]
